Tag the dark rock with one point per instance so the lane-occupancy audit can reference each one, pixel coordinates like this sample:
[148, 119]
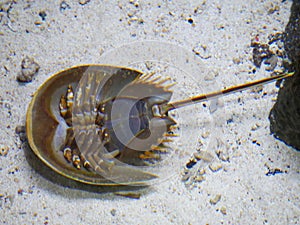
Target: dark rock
[285, 114]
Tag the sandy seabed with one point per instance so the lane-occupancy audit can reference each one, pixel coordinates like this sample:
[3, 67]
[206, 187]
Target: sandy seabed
[249, 177]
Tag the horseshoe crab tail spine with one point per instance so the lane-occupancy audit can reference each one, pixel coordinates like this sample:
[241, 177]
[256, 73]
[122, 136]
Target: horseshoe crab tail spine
[203, 97]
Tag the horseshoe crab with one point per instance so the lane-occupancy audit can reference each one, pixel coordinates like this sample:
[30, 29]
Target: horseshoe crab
[100, 124]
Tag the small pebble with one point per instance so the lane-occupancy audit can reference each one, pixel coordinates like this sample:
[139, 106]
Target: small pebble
[204, 155]
[13, 170]
[215, 104]
[37, 23]
[223, 210]
[9, 200]
[28, 69]
[113, 212]
[260, 52]
[199, 178]
[149, 65]
[190, 20]
[271, 62]
[21, 192]
[63, 6]
[211, 75]
[255, 127]
[214, 167]
[4, 150]
[43, 15]
[257, 89]
[215, 200]
[134, 2]
[83, 2]
[202, 51]
[223, 156]
[192, 162]
[201, 171]
[205, 134]
[273, 9]
[236, 60]
[20, 129]
[185, 177]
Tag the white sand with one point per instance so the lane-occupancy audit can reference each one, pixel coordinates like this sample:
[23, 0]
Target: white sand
[95, 33]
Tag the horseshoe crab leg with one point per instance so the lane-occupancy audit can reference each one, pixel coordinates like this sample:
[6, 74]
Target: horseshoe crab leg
[203, 97]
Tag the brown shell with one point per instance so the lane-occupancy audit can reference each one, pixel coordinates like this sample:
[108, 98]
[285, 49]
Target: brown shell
[43, 123]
